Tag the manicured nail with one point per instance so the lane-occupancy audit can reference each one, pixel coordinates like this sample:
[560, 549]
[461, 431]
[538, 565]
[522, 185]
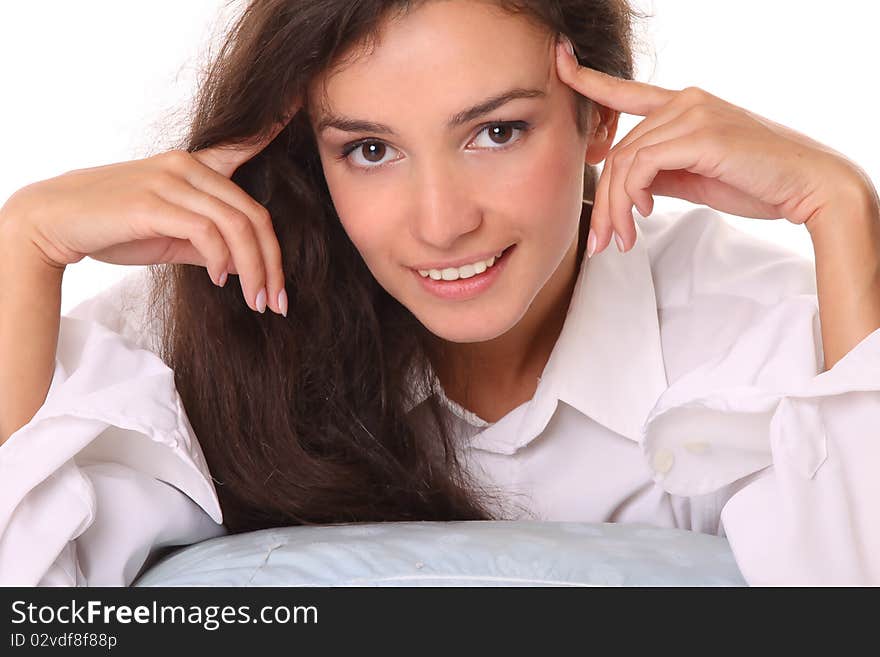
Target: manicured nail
[261, 300]
[566, 46]
[223, 277]
[282, 302]
[591, 244]
[619, 242]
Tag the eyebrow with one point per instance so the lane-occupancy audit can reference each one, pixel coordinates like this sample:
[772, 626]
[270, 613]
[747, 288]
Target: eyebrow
[348, 124]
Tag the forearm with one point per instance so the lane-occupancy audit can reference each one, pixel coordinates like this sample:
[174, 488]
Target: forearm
[30, 315]
[846, 241]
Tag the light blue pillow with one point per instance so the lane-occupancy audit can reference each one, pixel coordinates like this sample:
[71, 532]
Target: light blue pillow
[467, 553]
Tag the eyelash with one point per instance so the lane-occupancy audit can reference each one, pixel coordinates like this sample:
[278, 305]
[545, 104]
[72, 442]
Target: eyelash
[348, 149]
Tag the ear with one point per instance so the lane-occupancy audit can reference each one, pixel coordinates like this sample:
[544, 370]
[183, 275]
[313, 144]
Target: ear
[602, 136]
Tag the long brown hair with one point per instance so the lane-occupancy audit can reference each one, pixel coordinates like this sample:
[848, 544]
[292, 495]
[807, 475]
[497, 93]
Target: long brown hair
[304, 420]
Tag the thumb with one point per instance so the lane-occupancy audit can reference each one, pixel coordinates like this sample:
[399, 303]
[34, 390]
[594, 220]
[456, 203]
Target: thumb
[225, 159]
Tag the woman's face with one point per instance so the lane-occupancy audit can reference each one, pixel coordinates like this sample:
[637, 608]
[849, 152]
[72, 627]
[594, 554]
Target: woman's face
[425, 191]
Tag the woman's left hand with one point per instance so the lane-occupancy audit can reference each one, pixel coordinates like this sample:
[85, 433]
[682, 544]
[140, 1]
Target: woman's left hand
[695, 146]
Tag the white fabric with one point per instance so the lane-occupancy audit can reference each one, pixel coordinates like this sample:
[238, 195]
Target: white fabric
[87, 487]
[684, 391]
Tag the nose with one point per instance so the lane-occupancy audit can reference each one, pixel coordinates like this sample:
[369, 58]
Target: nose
[445, 208]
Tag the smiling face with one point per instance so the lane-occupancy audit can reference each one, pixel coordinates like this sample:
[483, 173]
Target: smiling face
[432, 184]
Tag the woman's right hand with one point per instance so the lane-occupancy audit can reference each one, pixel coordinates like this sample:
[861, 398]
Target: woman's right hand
[175, 207]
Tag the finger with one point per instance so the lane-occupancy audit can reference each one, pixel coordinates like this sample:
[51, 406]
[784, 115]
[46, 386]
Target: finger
[689, 152]
[237, 230]
[227, 158]
[670, 112]
[600, 221]
[608, 220]
[206, 179]
[623, 189]
[629, 96]
[164, 219]
[613, 213]
[182, 251]
[151, 251]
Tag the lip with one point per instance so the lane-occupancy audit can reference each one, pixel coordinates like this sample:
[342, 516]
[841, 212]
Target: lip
[457, 263]
[467, 288]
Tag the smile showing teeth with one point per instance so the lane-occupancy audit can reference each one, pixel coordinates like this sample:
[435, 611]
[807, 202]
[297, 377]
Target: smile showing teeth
[466, 271]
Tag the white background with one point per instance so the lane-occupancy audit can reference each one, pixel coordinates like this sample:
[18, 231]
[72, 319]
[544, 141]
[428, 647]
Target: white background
[98, 81]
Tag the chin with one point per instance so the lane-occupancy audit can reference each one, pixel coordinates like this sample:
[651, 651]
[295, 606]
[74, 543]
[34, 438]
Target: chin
[468, 336]
[449, 327]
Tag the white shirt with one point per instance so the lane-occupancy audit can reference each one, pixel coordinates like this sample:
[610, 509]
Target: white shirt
[684, 391]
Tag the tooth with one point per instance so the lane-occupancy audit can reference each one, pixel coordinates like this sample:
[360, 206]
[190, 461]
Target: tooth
[467, 271]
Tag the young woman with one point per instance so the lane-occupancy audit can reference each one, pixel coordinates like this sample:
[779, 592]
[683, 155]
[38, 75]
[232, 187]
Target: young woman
[410, 188]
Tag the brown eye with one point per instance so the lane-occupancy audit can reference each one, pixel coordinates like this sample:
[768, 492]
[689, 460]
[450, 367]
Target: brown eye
[373, 151]
[500, 134]
[503, 134]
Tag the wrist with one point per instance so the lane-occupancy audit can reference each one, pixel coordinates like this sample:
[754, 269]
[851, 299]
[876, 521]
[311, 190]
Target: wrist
[846, 242]
[20, 249]
[854, 199]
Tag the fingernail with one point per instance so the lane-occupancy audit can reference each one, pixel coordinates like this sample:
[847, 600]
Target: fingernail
[223, 277]
[560, 48]
[619, 242]
[261, 300]
[591, 244]
[566, 43]
[282, 302]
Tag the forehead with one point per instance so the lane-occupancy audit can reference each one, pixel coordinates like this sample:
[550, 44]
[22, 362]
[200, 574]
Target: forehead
[456, 49]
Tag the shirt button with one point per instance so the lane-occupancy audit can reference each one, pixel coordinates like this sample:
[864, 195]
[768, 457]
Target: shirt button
[696, 447]
[663, 461]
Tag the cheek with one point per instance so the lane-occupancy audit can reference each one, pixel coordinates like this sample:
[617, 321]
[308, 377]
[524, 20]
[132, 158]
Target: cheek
[545, 184]
[364, 226]
[366, 216]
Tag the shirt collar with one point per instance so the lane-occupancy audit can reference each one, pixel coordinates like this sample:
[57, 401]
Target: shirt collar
[607, 362]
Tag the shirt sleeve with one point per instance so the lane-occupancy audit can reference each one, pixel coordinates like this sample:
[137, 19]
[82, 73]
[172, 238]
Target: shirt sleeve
[108, 471]
[791, 450]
